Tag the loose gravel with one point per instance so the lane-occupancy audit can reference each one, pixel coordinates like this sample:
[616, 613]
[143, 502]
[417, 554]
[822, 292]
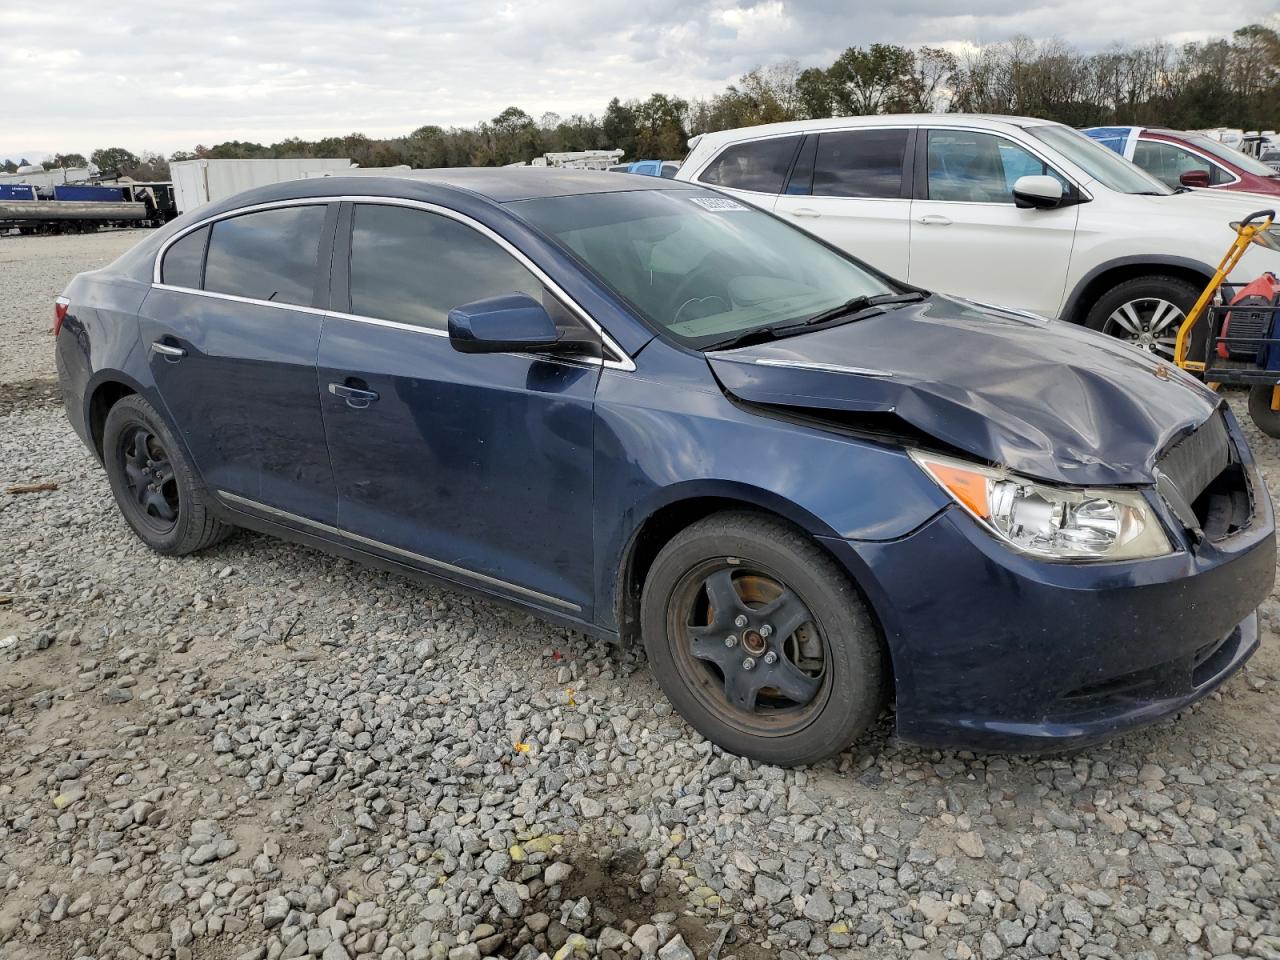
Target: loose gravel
[265, 752]
[34, 270]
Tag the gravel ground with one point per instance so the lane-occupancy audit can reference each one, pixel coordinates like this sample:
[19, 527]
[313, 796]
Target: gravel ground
[34, 270]
[266, 752]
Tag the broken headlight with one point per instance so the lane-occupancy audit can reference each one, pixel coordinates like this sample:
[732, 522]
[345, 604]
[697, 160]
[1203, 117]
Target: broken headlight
[1049, 521]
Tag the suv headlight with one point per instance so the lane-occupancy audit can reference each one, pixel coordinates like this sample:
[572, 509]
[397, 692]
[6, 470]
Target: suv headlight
[1053, 522]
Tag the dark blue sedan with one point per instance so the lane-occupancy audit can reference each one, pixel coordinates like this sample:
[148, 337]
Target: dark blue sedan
[651, 413]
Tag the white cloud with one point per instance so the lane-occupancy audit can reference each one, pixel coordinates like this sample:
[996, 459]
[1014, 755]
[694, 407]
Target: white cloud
[165, 76]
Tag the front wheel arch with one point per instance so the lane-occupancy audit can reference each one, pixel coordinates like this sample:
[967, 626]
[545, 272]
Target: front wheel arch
[1111, 274]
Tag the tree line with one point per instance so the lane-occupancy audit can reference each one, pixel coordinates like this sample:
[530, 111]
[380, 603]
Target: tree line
[1228, 82]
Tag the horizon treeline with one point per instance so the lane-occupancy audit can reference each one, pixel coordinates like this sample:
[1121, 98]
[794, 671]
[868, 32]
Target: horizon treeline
[1228, 82]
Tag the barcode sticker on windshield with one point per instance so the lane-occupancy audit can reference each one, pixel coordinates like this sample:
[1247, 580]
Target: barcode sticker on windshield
[717, 203]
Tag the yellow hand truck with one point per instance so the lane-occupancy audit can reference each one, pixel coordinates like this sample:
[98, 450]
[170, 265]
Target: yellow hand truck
[1242, 346]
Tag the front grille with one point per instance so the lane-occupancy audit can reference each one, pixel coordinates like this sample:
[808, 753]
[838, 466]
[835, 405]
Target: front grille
[1195, 461]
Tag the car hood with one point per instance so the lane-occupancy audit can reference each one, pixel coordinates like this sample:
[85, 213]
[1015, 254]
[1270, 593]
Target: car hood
[1045, 398]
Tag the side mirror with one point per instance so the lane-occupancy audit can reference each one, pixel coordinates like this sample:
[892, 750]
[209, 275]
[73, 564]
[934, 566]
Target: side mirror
[512, 324]
[1040, 192]
[1195, 178]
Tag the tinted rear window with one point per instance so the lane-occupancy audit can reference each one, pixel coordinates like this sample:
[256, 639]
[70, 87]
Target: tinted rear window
[761, 165]
[269, 255]
[859, 163]
[184, 260]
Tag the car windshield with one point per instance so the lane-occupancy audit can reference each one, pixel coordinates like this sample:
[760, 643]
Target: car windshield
[1104, 165]
[1237, 159]
[701, 266]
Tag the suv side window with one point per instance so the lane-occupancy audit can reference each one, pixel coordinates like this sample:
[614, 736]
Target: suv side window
[183, 264]
[1168, 162]
[759, 165]
[269, 255]
[974, 167]
[860, 163]
[413, 266]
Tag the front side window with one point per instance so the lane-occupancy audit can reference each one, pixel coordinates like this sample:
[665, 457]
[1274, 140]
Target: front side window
[973, 167]
[268, 255]
[859, 163]
[760, 165]
[1167, 162]
[183, 264]
[412, 266]
[700, 266]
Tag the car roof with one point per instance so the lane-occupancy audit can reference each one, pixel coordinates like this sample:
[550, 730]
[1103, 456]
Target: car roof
[874, 120]
[496, 184]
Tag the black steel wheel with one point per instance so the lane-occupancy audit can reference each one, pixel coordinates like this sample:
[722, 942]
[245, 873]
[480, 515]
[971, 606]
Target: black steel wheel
[760, 640]
[154, 485]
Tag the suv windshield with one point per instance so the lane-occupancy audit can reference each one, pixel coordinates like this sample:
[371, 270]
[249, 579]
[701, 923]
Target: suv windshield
[1104, 165]
[701, 266]
[1237, 159]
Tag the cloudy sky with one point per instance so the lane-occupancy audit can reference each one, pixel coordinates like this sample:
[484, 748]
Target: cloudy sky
[162, 76]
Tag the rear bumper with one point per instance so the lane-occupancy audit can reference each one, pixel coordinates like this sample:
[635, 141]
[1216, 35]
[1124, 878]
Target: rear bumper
[993, 650]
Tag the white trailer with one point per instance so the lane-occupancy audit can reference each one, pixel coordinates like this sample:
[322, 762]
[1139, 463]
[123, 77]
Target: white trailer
[197, 182]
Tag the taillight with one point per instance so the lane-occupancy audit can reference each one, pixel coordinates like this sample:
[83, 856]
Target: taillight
[59, 313]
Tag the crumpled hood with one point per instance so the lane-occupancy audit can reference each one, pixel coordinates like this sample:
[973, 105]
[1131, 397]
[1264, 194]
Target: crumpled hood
[1045, 398]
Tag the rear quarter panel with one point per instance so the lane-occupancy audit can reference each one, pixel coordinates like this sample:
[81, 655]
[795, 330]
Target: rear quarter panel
[99, 342]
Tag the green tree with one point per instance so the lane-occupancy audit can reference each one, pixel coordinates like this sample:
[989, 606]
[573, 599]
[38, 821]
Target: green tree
[619, 127]
[113, 158]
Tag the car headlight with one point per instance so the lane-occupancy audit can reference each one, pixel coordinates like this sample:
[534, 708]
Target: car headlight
[1053, 522]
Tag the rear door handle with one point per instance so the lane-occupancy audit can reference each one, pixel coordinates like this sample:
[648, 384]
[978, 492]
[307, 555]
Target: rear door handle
[167, 350]
[936, 219]
[805, 212]
[356, 398]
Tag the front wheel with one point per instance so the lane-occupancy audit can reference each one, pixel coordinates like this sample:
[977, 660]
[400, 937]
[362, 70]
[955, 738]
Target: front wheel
[760, 640]
[1147, 312]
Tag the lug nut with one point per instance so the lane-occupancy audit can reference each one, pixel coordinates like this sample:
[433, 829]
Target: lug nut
[749, 663]
[766, 631]
[740, 621]
[771, 658]
[731, 641]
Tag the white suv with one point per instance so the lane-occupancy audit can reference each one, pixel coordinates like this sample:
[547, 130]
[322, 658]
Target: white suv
[1005, 210]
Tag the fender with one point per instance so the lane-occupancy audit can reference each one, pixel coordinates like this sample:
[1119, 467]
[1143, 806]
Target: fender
[1072, 304]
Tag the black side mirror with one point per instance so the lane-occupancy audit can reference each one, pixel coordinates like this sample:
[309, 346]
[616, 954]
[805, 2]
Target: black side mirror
[516, 323]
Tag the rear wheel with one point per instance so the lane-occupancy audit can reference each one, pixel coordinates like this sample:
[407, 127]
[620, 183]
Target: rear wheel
[1260, 410]
[760, 640]
[154, 485]
[1147, 313]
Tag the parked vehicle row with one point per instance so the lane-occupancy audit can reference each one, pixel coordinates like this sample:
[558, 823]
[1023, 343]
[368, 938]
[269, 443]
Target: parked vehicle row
[654, 413]
[1014, 211]
[1180, 159]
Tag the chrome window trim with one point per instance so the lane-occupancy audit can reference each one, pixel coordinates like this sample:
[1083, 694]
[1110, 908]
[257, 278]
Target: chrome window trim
[620, 360]
[212, 295]
[546, 598]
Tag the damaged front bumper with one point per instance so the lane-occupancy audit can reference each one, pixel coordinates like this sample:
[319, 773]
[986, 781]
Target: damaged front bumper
[995, 650]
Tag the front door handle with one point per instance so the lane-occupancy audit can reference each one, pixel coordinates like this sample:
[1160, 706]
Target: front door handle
[357, 399]
[805, 212]
[936, 219]
[167, 350]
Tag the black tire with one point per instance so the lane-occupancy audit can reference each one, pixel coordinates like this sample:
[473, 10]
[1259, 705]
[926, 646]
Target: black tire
[154, 485]
[1143, 294]
[755, 555]
[1267, 420]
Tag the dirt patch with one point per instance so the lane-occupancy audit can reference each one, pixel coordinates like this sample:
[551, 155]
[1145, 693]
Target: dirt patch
[27, 392]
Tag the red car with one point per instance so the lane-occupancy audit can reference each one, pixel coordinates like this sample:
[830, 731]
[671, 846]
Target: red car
[1188, 159]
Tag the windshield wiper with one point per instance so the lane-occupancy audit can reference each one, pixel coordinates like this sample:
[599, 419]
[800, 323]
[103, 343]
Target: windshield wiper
[850, 308]
[861, 303]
